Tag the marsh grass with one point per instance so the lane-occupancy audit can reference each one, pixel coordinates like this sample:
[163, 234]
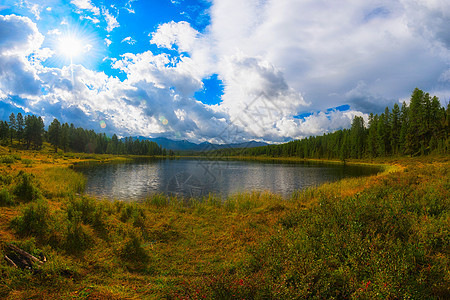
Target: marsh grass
[61, 182]
[385, 236]
[381, 242]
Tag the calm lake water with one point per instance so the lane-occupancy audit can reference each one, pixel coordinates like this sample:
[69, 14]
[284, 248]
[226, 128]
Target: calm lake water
[199, 177]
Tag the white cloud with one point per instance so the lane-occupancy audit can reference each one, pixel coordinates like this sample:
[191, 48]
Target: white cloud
[86, 5]
[111, 21]
[171, 34]
[108, 42]
[55, 31]
[19, 38]
[129, 40]
[276, 59]
[325, 50]
[93, 20]
[128, 6]
[35, 10]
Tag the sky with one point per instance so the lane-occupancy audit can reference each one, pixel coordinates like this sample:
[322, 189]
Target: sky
[221, 71]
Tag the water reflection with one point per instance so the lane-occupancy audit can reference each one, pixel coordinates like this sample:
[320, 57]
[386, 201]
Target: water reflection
[195, 178]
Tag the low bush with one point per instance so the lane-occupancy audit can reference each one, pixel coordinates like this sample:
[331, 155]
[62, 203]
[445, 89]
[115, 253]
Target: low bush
[8, 159]
[88, 210]
[34, 220]
[26, 187]
[27, 162]
[6, 199]
[132, 212]
[78, 236]
[134, 254]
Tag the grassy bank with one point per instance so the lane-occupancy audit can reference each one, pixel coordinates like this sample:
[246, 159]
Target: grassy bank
[384, 236]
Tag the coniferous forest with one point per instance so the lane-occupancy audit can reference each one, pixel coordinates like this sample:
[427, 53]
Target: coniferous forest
[30, 132]
[420, 128]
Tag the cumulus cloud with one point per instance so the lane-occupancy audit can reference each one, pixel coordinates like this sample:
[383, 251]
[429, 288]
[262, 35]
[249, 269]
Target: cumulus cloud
[275, 59]
[180, 36]
[325, 50]
[108, 42]
[111, 21]
[129, 40]
[55, 31]
[19, 37]
[86, 5]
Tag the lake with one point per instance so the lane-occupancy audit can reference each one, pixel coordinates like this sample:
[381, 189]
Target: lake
[188, 177]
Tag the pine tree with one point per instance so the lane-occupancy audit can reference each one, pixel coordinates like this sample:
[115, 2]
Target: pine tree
[12, 126]
[414, 136]
[54, 134]
[395, 129]
[20, 127]
[357, 138]
[404, 125]
[372, 139]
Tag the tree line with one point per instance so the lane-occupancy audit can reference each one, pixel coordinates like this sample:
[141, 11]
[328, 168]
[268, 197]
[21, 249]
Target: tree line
[30, 132]
[420, 128]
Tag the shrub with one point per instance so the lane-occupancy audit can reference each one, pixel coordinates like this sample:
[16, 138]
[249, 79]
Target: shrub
[7, 159]
[133, 212]
[27, 162]
[77, 238]
[133, 253]
[25, 188]
[88, 210]
[34, 220]
[6, 198]
[5, 179]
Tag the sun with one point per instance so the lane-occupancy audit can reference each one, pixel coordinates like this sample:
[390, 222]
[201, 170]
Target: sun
[70, 46]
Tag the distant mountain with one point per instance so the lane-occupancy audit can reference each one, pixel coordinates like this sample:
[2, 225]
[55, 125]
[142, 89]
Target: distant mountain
[184, 145]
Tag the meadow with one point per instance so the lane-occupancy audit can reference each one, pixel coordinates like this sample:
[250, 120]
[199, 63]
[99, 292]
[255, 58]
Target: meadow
[384, 236]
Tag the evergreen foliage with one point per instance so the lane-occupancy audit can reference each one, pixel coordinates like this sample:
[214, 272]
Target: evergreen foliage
[64, 136]
[418, 129]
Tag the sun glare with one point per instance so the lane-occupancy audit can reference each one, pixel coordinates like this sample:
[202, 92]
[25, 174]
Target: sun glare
[70, 46]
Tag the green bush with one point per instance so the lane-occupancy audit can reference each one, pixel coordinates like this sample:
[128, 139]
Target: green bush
[27, 162]
[133, 253]
[6, 198]
[5, 179]
[134, 213]
[34, 220]
[77, 238]
[87, 210]
[7, 159]
[26, 188]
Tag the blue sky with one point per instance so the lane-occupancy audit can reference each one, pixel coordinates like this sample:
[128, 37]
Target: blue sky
[219, 70]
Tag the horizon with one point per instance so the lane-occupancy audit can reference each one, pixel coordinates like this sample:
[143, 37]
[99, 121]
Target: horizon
[218, 71]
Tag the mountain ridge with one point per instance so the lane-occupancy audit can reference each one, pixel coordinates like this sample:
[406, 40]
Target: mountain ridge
[183, 145]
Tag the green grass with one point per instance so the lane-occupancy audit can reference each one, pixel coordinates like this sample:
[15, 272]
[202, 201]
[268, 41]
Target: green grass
[384, 236]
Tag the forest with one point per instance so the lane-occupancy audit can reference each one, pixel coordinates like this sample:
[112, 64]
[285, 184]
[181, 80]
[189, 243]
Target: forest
[420, 128]
[30, 132]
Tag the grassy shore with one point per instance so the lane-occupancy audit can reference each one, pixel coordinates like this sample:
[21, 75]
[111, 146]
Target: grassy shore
[384, 236]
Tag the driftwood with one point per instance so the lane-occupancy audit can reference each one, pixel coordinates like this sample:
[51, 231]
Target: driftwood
[9, 260]
[19, 258]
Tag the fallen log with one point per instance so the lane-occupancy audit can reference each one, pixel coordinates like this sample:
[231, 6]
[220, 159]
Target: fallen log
[9, 260]
[25, 254]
